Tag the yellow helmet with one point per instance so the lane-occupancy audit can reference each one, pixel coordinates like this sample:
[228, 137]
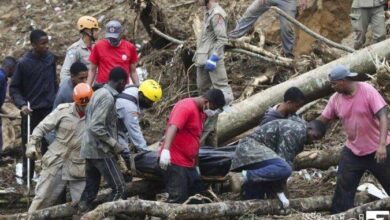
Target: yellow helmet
[151, 90]
[88, 22]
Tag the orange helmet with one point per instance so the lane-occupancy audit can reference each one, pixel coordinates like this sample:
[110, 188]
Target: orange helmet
[82, 93]
[87, 22]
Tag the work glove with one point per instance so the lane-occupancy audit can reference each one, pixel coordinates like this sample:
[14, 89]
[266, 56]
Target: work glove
[211, 63]
[165, 159]
[126, 155]
[31, 151]
[118, 148]
[283, 199]
[122, 165]
[25, 110]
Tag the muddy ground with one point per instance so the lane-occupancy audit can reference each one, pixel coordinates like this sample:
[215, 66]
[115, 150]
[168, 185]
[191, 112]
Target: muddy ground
[58, 18]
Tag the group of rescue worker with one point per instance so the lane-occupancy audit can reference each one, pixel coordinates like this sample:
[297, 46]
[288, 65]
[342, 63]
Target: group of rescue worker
[82, 130]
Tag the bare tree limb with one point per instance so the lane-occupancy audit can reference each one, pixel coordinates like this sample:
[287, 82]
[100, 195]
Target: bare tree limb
[259, 50]
[172, 39]
[310, 32]
[265, 58]
[141, 187]
[274, 59]
[354, 213]
[212, 210]
[320, 159]
[182, 4]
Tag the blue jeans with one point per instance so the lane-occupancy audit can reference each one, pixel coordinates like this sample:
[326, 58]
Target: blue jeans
[268, 176]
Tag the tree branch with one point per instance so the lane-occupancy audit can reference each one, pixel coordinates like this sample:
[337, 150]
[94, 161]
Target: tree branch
[312, 33]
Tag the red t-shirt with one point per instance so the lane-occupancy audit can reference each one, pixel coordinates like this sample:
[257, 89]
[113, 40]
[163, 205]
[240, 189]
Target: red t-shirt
[189, 120]
[107, 57]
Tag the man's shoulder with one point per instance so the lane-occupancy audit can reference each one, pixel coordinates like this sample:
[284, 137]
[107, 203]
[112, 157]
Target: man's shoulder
[66, 84]
[285, 124]
[185, 103]
[27, 57]
[75, 45]
[64, 106]
[2, 74]
[131, 90]
[101, 44]
[219, 10]
[366, 86]
[128, 44]
[104, 94]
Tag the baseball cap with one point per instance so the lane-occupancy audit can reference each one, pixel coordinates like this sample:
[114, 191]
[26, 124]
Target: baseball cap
[340, 72]
[113, 29]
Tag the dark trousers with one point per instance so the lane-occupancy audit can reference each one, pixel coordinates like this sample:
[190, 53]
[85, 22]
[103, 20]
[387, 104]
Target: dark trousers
[182, 182]
[351, 170]
[1, 138]
[266, 177]
[109, 169]
[36, 116]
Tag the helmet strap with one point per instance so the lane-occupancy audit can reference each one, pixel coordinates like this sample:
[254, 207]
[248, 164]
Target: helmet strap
[90, 35]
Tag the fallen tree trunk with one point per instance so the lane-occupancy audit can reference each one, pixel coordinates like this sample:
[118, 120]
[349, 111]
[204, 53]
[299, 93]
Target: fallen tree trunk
[314, 84]
[355, 213]
[135, 206]
[320, 159]
[143, 188]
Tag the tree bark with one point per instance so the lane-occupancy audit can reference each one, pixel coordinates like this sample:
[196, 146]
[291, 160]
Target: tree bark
[354, 213]
[314, 84]
[143, 188]
[320, 159]
[135, 206]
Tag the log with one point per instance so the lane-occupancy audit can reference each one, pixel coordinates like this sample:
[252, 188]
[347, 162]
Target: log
[355, 213]
[327, 54]
[135, 206]
[319, 159]
[142, 188]
[314, 84]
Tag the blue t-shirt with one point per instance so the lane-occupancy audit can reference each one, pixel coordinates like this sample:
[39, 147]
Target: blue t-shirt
[65, 93]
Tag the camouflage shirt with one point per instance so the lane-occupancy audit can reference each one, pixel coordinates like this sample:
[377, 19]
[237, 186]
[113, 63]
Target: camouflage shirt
[283, 138]
[101, 134]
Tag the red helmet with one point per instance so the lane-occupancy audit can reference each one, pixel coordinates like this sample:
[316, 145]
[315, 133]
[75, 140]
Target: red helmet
[82, 93]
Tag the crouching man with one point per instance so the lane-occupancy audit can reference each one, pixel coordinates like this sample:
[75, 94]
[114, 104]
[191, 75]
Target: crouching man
[265, 157]
[61, 164]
